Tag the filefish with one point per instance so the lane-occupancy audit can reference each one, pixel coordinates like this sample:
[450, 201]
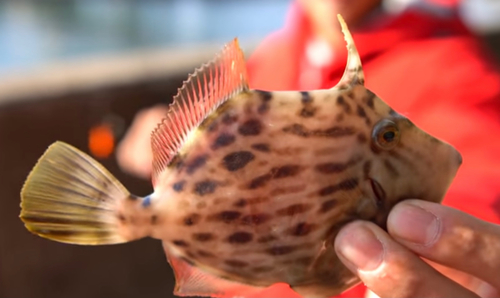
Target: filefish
[250, 186]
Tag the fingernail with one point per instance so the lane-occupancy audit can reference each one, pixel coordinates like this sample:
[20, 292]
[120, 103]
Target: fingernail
[360, 247]
[414, 224]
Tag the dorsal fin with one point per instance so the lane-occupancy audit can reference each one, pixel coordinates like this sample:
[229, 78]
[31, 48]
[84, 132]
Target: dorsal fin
[206, 89]
[353, 73]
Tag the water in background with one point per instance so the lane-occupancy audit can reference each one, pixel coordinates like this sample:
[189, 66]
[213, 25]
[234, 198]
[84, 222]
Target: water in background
[39, 32]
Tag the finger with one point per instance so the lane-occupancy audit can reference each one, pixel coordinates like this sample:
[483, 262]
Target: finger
[449, 237]
[466, 280]
[389, 269]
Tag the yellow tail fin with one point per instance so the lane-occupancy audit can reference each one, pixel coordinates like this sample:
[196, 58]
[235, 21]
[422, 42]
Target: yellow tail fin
[69, 197]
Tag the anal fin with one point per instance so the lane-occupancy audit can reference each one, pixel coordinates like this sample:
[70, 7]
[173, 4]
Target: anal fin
[192, 281]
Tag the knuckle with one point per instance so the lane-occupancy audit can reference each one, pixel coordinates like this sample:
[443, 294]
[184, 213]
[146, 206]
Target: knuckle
[469, 241]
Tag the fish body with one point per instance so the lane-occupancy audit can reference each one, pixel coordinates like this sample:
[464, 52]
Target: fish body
[250, 186]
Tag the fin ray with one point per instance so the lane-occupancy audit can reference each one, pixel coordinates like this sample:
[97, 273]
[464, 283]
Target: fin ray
[69, 197]
[204, 90]
[192, 281]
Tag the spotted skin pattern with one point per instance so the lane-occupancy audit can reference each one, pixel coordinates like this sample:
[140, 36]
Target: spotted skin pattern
[250, 187]
[266, 193]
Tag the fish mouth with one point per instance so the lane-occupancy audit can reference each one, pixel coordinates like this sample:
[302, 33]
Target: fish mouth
[379, 192]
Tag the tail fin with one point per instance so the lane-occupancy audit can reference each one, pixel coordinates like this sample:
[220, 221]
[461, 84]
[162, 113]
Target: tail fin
[69, 197]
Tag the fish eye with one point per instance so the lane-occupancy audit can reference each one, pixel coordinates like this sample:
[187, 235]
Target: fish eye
[385, 134]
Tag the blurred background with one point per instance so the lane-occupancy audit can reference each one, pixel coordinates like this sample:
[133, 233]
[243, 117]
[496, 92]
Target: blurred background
[76, 70]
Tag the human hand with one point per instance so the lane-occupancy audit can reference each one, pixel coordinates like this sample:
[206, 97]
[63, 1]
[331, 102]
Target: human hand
[134, 153]
[464, 251]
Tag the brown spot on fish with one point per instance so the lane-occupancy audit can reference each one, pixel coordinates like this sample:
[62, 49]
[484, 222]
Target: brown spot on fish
[331, 167]
[205, 254]
[180, 243]
[203, 237]
[121, 218]
[341, 102]
[229, 119]
[328, 205]
[259, 181]
[205, 187]
[218, 201]
[192, 219]
[289, 150]
[223, 140]
[306, 97]
[362, 138]
[236, 263]
[263, 108]
[237, 160]
[257, 200]
[332, 132]
[336, 131]
[328, 151]
[183, 204]
[179, 186]
[201, 205]
[288, 190]
[307, 111]
[302, 229]
[266, 96]
[248, 108]
[339, 117]
[154, 219]
[176, 162]
[296, 129]
[240, 203]
[255, 219]
[393, 172]
[226, 216]
[196, 163]
[240, 238]
[251, 127]
[294, 209]
[261, 147]
[208, 123]
[361, 112]
[369, 99]
[285, 171]
[347, 184]
[266, 238]
[212, 126]
[280, 250]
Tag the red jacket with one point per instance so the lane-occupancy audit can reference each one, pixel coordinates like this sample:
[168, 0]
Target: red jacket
[429, 68]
